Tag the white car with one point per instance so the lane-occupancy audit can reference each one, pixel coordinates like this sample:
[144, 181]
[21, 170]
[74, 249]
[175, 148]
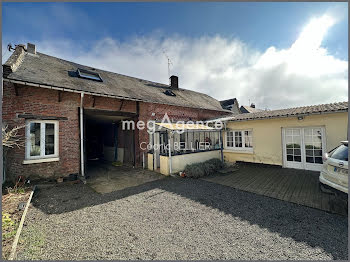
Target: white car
[334, 174]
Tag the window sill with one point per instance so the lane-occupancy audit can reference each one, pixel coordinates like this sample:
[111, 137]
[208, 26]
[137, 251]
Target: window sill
[239, 151]
[41, 160]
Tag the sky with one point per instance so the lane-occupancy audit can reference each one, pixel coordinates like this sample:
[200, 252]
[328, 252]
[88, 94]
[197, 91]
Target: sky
[276, 55]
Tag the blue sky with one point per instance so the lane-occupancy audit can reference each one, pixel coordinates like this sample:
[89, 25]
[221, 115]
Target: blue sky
[137, 31]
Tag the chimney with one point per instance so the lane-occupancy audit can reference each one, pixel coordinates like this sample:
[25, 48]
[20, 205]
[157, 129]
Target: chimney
[174, 82]
[31, 49]
[252, 105]
[14, 60]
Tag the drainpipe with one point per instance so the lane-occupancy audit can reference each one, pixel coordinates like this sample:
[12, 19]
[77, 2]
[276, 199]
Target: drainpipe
[221, 146]
[82, 134]
[143, 160]
[170, 167]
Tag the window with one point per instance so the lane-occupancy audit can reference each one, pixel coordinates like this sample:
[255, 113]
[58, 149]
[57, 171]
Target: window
[41, 139]
[183, 141]
[169, 93]
[239, 139]
[89, 75]
[229, 138]
[248, 139]
[340, 153]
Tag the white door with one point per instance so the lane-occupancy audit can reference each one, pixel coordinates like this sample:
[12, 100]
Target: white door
[303, 147]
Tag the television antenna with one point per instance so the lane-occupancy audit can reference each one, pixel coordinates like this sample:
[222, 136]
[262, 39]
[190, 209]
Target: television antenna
[169, 63]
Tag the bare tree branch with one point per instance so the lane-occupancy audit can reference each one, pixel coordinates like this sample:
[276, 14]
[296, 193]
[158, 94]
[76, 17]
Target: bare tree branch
[11, 138]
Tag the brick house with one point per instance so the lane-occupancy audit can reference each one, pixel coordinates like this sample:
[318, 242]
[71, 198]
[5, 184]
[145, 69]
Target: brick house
[72, 113]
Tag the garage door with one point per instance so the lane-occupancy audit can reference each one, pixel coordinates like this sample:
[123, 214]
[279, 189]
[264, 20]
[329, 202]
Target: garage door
[303, 147]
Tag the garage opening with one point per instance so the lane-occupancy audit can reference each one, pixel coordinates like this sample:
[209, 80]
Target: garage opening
[104, 140]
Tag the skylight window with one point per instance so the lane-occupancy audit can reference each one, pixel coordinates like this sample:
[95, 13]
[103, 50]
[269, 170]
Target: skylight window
[169, 93]
[89, 75]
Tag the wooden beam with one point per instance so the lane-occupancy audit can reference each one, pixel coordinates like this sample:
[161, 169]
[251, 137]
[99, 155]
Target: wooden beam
[40, 117]
[16, 89]
[137, 108]
[59, 96]
[108, 113]
[121, 105]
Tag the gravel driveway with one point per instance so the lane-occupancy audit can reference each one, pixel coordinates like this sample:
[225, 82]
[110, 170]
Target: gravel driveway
[176, 219]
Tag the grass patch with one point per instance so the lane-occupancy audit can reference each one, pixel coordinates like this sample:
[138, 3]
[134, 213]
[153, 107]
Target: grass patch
[31, 243]
[9, 226]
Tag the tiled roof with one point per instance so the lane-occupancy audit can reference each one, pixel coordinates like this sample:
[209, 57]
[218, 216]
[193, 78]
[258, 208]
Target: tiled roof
[250, 109]
[297, 111]
[42, 69]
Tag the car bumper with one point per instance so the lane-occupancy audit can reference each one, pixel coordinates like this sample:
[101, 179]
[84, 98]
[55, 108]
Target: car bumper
[331, 185]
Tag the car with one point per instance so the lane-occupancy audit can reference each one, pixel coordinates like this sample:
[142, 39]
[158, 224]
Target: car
[334, 174]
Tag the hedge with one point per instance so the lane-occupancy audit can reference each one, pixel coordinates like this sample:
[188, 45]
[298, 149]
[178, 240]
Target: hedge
[204, 168]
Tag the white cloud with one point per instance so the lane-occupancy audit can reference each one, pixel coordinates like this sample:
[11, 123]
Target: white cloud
[302, 74]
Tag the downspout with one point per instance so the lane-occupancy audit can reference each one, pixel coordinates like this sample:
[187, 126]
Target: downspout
[82, 135]
[116, 126]
[170, 167]
[221, 142]
[221, 147]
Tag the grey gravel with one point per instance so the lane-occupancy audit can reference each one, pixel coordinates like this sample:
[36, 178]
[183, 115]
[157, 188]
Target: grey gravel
[177, 219]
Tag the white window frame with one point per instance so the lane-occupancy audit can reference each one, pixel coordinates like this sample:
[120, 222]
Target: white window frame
[239, 149]
[42, 157]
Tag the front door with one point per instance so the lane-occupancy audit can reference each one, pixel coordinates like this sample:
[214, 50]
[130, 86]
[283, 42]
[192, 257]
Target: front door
[303, 147]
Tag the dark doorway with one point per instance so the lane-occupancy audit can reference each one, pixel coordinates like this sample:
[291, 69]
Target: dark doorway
[100, 140]
[105, 143]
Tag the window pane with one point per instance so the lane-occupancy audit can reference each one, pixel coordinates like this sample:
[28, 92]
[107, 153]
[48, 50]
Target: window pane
[183, 140]
[229, 138]
[196, 140]
[309, 152]
[49, 139]
[341, 153]
[238, 139]
[310, 159]
[297, 158]
[248, 139]
[35, 139]
[297, 152]
[318, 160]
[318, 152]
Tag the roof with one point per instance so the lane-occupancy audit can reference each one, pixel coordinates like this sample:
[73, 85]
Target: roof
[231, 104]
[249, 109]
[179, 126]
[47, 70]
[228, 102]
[289, 112]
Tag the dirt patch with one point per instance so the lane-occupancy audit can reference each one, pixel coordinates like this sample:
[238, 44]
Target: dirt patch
[11, 217]
[106, 178]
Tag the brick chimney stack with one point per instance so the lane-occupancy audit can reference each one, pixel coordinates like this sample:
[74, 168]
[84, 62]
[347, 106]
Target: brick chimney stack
[14, 60]
[174, 82]
[31, 49]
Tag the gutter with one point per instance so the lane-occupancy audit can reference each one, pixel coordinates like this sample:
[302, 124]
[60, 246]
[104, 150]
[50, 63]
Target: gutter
[67, 89]
[273, 117]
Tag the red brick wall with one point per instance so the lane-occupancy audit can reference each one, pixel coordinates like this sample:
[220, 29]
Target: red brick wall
[41, 101]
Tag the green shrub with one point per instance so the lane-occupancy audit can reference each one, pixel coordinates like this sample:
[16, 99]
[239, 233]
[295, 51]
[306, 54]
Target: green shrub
[203, 169]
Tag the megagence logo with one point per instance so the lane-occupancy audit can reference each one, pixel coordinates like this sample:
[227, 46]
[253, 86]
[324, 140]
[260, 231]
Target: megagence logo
[179, 126]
